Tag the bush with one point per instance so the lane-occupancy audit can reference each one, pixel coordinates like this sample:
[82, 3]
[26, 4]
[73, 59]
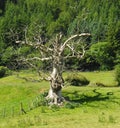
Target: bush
[117, 74]
[4, 71]
[77, 79]
[101, 53]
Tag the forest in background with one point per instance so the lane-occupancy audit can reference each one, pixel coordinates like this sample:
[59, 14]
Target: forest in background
[100, 18]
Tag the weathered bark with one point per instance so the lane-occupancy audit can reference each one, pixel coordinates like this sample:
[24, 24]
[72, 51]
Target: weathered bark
[55, 54]
[56, 84]
[56, 81]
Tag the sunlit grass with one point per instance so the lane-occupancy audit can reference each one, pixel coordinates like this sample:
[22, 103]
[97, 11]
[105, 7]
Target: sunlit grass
[87, 107]
[105, 77]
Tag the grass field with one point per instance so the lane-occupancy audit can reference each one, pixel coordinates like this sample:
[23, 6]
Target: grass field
[88, 107]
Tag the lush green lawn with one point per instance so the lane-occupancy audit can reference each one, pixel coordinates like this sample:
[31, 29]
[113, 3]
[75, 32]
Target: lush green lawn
[88, 107]
[107, 78]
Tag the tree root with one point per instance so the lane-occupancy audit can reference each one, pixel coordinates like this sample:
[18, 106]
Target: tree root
[55, 100]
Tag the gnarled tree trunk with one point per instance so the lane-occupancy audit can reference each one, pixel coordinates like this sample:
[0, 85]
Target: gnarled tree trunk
[56, 84]
[54, 52]
[56, 81]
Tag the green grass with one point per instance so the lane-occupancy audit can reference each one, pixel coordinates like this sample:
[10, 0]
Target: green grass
[88, 107]
[105, 77]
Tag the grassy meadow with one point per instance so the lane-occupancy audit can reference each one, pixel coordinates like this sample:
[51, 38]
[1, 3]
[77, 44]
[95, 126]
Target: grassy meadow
[88, 107]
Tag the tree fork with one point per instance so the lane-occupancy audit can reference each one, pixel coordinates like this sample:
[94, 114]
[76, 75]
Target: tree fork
[55, 53]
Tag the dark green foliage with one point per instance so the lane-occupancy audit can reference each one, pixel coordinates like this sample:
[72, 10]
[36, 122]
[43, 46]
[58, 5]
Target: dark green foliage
[4, 71]
[101, 52]
[77, 79]
[100, 18]
[6, 57]
[9, 57]
[2, 6]
[117, 74]
[88, 63]
[12, 26]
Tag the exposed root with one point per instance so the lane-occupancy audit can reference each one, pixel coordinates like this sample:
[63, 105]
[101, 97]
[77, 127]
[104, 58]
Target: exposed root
[55, 100]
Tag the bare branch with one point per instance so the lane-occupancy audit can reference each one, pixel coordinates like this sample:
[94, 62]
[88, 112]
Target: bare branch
[36, 46]
[44, 76]
[54, 51]
[83, 52]
[40, 59]
[72, 37]
[37, 43]
[26, 34]
[26, 62]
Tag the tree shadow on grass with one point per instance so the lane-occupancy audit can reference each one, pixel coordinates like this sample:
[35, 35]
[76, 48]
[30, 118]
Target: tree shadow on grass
[76, 97]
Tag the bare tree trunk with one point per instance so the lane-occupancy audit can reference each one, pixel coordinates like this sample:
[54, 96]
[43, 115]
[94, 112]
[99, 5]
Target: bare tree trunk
[56, 85]
[56, 81]
[55, 53]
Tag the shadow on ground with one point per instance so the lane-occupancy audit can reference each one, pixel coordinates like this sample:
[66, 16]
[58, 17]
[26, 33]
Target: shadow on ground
[94, 95]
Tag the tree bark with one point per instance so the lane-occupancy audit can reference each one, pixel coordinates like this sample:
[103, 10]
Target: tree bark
[55, 52]
[56, 84]
[56, 81]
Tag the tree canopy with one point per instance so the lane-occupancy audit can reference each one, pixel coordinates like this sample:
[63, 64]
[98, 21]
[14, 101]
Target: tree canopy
[99, 18]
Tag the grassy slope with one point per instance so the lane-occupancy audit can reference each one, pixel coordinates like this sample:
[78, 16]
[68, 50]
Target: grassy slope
[107, 78]
[98, 107]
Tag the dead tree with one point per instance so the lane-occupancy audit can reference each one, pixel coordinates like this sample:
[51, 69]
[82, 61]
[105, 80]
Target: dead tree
[55, 52]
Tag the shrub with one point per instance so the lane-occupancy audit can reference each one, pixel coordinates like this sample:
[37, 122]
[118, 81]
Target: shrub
[4, 71]
[101, 53]
[117, 74]
[76, 79]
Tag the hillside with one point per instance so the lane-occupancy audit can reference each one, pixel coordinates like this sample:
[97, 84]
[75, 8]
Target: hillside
[88, 106]
[47, 18]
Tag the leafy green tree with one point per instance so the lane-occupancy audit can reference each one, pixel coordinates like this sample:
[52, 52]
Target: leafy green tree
[100, 18]
[2, 7]
[13, 23]
[101, 52]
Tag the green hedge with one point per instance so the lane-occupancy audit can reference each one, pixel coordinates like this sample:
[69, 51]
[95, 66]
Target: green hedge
[4, 71]
[76, 79]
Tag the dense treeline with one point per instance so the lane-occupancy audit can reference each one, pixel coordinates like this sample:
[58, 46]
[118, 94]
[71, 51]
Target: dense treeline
[100, 18]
